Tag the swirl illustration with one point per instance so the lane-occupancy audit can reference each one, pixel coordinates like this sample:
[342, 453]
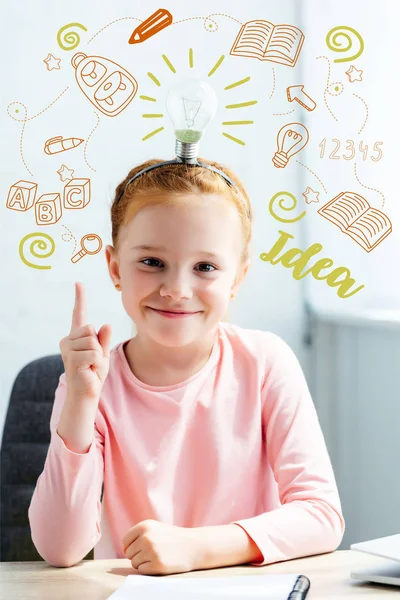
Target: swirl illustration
[283, 196]
[41, 244]
[71, 38]
[333, 42]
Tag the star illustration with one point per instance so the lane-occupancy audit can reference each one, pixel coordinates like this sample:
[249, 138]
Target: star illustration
[52, 62]
[354, 74]
[65, 173]
[310, 195]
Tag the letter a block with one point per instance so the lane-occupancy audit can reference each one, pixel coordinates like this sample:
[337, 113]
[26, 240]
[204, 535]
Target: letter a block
[21, 195]
[77, 193]
[48, 209]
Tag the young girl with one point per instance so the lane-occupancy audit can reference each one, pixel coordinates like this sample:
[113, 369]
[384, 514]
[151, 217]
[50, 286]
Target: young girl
[203, 432]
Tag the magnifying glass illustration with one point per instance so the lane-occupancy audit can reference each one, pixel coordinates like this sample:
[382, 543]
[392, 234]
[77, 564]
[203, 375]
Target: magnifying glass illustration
[90, 244]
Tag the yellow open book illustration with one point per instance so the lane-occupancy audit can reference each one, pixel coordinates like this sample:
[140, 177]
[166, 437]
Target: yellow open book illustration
[354, 216]
[266, 41]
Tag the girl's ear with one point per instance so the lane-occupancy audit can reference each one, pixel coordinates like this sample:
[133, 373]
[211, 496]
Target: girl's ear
[112, 263]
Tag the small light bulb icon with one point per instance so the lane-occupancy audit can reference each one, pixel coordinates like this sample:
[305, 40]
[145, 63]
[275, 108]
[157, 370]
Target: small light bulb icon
[291, 139]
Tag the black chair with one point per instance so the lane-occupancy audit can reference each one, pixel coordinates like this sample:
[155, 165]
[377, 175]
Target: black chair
[26, 439]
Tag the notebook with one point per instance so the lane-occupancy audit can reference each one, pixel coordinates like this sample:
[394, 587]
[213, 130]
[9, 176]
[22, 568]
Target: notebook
[385, 547]
[239, 587]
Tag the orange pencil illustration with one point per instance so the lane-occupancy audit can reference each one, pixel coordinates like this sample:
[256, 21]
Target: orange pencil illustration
[152, 25]
[60, 144]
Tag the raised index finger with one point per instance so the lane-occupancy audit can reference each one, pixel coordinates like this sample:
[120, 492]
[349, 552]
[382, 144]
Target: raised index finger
[79, 312]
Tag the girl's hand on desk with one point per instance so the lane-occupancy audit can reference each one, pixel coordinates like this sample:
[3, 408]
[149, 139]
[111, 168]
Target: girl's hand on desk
[156, 548]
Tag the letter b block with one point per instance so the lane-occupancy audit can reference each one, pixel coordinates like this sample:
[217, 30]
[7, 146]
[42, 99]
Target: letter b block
[21, 195]
[77, 193]
[48, 209]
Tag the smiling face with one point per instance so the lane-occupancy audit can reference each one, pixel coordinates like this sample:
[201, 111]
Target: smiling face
[178, 274]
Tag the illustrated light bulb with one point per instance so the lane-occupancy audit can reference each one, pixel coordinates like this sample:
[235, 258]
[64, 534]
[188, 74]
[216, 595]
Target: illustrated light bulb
[291, 139]
[191, 104]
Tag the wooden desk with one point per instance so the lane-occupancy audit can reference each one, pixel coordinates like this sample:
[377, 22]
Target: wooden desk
[96, 580]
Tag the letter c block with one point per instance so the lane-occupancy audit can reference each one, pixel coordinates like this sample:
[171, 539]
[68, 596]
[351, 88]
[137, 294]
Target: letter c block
[21, 195]
[77, 193]
[48, 209]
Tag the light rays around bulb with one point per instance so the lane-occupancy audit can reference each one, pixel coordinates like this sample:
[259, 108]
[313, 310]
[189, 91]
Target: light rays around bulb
[238, 105]
[230, 86]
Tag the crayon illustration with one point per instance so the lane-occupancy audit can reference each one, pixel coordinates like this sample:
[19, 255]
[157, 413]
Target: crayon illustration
[152, 25]
[108, 86]
[60, 144]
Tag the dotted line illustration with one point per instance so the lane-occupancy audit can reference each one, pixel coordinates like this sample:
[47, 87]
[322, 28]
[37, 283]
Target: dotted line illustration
[282, 114]
[327, 85]
[87, 141]
[366, 106]
[312, 172]
[367, 187]
[112, 23]
[70, 236]
[273, 83]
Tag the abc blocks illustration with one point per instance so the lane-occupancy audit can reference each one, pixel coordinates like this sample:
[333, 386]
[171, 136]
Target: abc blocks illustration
[77, 193]
[21, 195]
[48, 209]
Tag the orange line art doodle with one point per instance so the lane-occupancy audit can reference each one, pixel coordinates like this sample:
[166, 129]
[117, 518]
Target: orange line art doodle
[160, 19]
[367, 187]
[312, 173]
[22, 195]
[263, 40]
[354, 74]
[291, 139]
[90, 244]
[65, 173]
[70, 237]
[327, 86]
[52, 63]
[41, 244]
[60, 144]
[273, 83]
[367, 112]
[48, 209]
[77, 194]
[349, 211]
[108, 86]
[311, 195]
[296, 92]
[87, 141]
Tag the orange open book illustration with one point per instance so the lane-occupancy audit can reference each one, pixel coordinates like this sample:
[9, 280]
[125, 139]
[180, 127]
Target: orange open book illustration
[265, 41]
[354, 216]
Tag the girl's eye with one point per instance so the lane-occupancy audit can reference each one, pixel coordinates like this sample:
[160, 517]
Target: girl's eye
[200, 265]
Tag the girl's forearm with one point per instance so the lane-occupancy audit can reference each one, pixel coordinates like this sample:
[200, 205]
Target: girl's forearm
[224, 545]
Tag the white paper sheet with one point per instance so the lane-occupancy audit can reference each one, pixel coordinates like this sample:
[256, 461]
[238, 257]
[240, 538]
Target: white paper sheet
[241, 587]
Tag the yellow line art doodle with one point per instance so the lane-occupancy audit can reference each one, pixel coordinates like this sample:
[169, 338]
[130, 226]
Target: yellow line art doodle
[216, 66]
[234, 139]
[283, 196]
[40, 244]
[149, 135]
[168, 63]
[333, 43]
[71, 39]
[191, 58]
[236, 83]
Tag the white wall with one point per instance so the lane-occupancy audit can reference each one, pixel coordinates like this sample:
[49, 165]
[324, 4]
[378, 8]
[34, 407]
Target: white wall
[36, 305]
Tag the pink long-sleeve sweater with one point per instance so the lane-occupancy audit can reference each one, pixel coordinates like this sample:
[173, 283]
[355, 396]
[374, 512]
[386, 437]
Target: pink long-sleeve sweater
[238, 442]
